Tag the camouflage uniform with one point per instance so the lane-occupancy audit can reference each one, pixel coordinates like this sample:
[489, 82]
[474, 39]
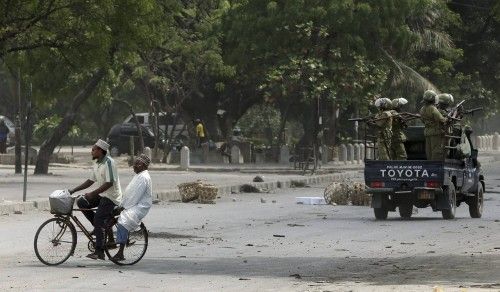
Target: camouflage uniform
[383, 123]
[435, 129]
[445, 100]
[398, 151]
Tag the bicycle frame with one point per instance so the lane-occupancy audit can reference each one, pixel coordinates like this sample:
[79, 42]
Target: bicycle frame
[75, 221]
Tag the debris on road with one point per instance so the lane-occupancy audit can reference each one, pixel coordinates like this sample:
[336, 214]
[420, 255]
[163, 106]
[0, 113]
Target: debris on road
[296, 276]
[298, 184]
[310, 200]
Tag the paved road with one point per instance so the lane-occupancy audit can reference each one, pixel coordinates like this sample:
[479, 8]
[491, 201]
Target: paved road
[230, 246]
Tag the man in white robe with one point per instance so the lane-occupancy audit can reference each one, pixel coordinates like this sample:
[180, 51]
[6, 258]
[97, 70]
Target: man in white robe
[136, 202]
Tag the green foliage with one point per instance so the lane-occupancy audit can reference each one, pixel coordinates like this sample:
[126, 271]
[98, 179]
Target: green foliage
[194, 57]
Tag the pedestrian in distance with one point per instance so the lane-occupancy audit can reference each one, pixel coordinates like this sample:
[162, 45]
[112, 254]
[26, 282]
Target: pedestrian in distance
[383, 122]
[398, 151]
[106, 197]
[200, 132]
[435, 127]
[4, 132]
[136, 202]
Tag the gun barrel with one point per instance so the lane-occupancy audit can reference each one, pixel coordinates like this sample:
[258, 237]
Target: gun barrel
[472, 110]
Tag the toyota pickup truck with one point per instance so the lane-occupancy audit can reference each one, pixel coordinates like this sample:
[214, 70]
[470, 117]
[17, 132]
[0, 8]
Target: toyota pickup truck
[442, 185]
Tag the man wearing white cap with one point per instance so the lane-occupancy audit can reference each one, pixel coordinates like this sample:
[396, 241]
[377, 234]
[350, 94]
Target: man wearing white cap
[105, 197]
[137, 200]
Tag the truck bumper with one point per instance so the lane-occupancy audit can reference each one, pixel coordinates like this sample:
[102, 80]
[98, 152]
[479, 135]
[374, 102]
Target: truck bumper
[384, 196]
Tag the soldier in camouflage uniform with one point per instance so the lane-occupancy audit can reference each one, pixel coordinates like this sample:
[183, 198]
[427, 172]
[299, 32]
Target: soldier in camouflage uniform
[435, 127]
[445, 100]
[383, 122]
[398, 151]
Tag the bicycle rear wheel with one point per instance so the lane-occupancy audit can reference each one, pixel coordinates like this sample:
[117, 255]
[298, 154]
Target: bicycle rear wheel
[136, 246]
[55, 241]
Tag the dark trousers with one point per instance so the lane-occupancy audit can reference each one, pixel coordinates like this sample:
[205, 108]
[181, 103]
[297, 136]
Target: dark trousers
[3, 146]
[98, 219]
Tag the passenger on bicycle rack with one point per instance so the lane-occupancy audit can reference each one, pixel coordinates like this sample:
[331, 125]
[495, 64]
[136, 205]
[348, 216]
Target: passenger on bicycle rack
[137, 200]
[106, 197]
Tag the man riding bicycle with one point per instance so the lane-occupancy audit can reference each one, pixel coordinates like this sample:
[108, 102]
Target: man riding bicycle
[106, 197]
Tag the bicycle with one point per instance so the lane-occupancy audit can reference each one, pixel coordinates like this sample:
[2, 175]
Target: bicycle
[55, 240]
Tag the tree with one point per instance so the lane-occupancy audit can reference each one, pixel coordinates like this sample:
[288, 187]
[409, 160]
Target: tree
[344, 53]
[98, 37]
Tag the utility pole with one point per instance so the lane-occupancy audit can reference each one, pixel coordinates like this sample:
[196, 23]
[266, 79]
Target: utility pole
[18, 168]
[27, 134]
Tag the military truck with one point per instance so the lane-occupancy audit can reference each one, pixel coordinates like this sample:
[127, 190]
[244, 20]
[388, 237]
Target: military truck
[441, 185]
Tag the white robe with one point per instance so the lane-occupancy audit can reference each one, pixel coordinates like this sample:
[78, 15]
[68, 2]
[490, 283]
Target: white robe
[137, 200]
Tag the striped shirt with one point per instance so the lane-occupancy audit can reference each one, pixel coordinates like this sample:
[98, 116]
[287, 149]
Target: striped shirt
[104, 171]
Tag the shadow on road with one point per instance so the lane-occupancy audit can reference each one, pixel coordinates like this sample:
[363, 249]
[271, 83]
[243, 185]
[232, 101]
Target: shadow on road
[466, 270]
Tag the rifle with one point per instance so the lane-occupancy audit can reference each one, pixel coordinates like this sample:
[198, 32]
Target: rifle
[409, 116]
[472, 110]
[454, 112]
[361, 119]
[368, 120]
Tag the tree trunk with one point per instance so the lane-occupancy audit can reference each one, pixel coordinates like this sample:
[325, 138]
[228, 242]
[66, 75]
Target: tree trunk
[48, 146]
[332, 125]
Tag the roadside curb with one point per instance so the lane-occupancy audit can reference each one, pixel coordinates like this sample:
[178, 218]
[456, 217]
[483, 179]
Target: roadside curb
[174, 195]
[9, 207]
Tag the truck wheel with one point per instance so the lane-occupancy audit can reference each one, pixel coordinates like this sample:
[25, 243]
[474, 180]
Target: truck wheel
[380, 213]
[452, 198]
[405, 210]
[476, 203]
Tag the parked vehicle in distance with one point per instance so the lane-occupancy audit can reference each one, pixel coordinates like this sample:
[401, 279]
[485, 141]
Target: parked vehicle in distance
[166, 122]
[119, 138]
[11, 138]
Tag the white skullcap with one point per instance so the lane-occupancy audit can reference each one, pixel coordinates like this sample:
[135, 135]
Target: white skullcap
[102, 144]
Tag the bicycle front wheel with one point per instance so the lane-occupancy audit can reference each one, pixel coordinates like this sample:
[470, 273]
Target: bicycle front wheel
[134, 249]
[55, 241]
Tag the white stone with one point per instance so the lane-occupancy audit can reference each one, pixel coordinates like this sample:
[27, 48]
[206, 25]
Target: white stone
[343, 153]
[350, 153]
[496, 141]
[184, 158]
[324, 154]
[236, 157]
[284, 154]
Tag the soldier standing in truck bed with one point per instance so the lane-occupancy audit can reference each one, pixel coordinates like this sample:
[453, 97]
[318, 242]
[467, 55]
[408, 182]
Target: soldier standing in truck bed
[435, 127]
[398, 151]
[445, 100]
[383, 122]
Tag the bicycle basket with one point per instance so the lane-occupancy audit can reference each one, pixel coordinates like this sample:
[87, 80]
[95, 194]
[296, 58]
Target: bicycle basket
[61, 202]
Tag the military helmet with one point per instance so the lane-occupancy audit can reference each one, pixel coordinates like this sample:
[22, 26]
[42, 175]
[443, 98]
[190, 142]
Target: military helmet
[383, 103]
[398, 102]
[445, 98]
[430, 96]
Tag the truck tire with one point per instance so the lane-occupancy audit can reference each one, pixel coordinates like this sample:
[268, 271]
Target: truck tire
[476, 203]
[405, 210]
[452, 198]
[380, 213]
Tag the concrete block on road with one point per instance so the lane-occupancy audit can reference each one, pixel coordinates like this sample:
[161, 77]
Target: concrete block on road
[168, 195]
